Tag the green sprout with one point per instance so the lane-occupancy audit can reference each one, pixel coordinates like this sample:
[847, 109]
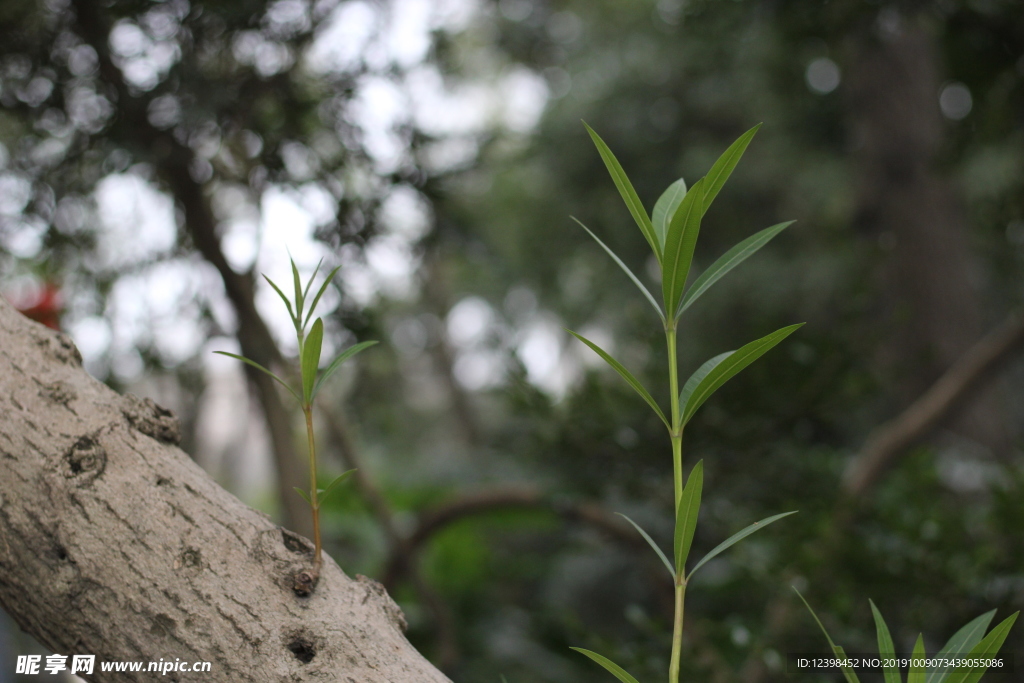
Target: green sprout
[672, 233]
[310, 346]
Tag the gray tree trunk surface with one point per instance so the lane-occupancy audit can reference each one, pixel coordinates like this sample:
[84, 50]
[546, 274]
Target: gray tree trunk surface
[113, 542]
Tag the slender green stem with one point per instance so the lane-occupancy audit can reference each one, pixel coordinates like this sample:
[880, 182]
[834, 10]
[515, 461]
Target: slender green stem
[677, 632]
[676, 433]
[313, 495]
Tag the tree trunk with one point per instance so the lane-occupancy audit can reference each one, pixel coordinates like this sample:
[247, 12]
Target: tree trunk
[930, 304]
[114, 543]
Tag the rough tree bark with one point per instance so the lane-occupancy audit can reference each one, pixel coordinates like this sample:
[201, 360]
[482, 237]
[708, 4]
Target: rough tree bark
[114, 543]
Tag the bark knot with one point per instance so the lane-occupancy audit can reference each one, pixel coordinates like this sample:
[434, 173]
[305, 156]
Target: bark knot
[58, 392]
[153, 420]
[304, 582]
[85, 460]
[190, 559]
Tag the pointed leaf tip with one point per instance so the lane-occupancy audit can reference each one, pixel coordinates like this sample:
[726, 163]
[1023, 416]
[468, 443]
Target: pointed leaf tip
[298, 290]
[915, 674]
[666, 207]
[626, 191]
[886, 648]
[723, 168]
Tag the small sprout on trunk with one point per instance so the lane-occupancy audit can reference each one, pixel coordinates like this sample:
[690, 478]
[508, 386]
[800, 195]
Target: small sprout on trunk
[310, 347]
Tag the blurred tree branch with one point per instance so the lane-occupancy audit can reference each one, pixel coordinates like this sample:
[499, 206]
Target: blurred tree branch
[434, 521]
[966, 376]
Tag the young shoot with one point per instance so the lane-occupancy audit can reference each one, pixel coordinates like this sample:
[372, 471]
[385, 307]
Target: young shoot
[671, 232]
[311, 380]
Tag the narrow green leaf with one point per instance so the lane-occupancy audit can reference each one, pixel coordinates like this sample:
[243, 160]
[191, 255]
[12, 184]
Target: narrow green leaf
[626, 269]
[687, 510]
[915, 674]
[311, 358]
[316, 299]
[650, 542]
[304, 495]
[737, 537]
[625, 374]
[698, 376]
[636, 208]
[961, 642]
[309, 282]
[337, 362]
[988, 648]
[831, 644]
[729, 260]
[288, 305]
[886, 649]
[340, 479]
[848, 673]
[666, 207]
[262, 369]
[608, 664]
[298, 290]
[722, 169]
[730, 366]
[679, 245]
